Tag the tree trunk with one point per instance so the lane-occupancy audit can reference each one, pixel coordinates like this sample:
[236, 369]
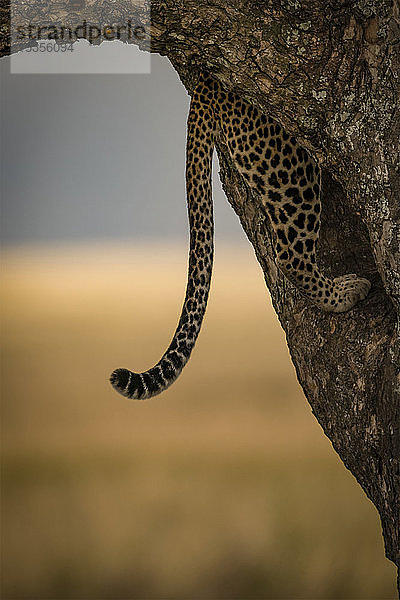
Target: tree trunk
[329, 73]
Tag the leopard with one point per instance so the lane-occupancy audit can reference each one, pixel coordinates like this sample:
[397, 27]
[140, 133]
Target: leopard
[286, 179]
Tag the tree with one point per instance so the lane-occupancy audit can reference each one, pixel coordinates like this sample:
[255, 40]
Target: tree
[329, 73]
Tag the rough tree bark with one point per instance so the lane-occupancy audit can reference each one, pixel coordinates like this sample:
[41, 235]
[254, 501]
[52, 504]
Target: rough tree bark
[329, 72]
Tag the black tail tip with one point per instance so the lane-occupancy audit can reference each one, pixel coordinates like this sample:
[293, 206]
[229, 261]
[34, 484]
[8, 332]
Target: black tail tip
[119, 379]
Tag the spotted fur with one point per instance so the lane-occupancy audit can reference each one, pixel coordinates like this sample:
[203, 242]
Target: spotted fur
[287, 180]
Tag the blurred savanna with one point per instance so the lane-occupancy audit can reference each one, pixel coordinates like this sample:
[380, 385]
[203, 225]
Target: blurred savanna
[223, 487]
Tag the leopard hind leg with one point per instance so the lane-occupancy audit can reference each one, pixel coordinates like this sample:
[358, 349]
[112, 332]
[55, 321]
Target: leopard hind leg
[295, 217]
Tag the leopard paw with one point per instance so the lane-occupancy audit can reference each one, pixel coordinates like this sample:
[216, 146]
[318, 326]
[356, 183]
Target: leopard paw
[348, 290]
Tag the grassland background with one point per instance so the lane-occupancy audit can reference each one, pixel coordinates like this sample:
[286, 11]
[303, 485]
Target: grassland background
[224, 487]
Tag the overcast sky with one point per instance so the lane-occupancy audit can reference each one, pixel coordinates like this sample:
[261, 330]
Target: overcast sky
[97, 157]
